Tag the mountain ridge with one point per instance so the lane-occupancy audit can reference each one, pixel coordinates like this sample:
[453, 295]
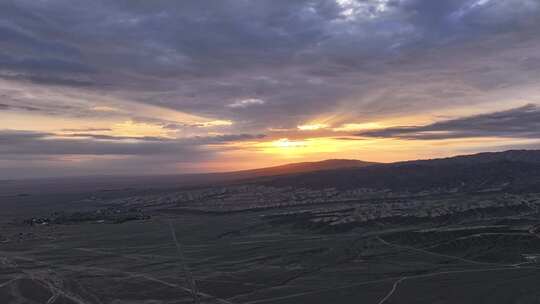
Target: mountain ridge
[521, 165]
[505, 170]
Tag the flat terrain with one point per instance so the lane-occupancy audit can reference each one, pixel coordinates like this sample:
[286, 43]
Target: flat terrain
[271, 256]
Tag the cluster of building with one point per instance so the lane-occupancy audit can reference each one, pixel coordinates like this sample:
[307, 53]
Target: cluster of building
[246, 197]
[334, 207]
[498, 206]
[118, 214]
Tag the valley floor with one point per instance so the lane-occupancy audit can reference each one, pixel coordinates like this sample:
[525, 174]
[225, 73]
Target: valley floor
[246, 258]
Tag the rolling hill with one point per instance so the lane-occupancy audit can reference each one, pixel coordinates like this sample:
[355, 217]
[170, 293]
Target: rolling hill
[510, 170]
[116, 183]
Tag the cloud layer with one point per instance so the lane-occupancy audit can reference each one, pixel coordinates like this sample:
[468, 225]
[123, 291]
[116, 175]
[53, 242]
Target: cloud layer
[35, 143]
[200, 69]
[301, 57]
[522, 122]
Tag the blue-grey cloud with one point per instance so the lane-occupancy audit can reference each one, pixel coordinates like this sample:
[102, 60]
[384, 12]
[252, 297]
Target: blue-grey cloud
[4, 106]
[42, 143]
[300, 57]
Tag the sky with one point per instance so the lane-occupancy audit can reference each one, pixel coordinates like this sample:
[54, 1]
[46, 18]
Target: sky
[169, 87]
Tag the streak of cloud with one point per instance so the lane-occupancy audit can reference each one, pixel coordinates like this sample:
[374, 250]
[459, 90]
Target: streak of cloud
[522, 122]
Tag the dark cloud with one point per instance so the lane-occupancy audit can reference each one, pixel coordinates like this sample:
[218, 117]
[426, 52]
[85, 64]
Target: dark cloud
[49, 80]
[26, 154]
[38, 143]
[522, 122]
[44, 65]
[4, 106]
[21, 38]
[15, 100]
[300, 57]
[12, 137]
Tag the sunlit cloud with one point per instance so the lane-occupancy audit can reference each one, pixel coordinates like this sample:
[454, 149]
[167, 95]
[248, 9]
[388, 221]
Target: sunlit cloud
[137, 129]
[312, 127]
[244, 103]
[358, 126]
[353, 9]
[105, 109]
[280, 129]
[214, 123]
[286, 143]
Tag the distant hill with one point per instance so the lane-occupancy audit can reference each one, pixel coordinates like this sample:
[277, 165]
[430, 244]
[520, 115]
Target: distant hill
[510, 170]
[515, 170]
[528, 156]
[304, 167]
[118, 183]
